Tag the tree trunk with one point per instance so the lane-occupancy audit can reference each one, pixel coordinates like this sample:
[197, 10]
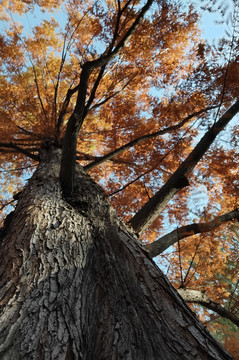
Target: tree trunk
[76, 284]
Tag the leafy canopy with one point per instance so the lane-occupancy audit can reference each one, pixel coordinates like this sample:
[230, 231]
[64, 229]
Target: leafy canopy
[165, 83]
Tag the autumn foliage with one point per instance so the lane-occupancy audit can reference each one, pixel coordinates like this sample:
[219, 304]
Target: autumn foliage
[165, 82]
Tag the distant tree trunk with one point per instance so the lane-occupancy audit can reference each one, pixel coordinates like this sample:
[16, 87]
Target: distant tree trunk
[76, 284]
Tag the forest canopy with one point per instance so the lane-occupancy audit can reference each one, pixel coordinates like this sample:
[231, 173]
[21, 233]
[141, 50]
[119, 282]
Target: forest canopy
[139, 87]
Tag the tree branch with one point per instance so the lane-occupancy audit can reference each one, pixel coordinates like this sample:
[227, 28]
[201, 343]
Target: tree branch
[102, 70]
[11, 145]
[199, 297]
[7, 204]
[30, 133]
[100, 103]
[63, 58]
[70, 92]
[150, 211]
[38, 90]
[64, 107]
[83, 156]
[68, 160]
[102, 60]
[110, 53]
[158, 246]
[141, 175]
[142, 138]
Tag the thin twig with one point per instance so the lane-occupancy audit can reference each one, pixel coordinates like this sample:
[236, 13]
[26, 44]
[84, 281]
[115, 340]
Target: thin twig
[33, 66]
[191, 263]
[141, 175]
[11, 145]
[180, 265]
[232, 294]
[146, 137]
[226, 72]
[8, 203]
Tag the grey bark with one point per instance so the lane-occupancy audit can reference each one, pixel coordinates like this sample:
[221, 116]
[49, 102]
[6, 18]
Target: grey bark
[76, 284]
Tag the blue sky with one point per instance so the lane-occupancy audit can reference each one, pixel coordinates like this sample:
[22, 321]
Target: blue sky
[210, 30]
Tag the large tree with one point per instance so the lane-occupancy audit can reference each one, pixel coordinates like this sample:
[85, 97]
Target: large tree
[124, 95]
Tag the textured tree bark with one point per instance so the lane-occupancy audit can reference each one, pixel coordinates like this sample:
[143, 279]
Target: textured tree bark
[76, 284]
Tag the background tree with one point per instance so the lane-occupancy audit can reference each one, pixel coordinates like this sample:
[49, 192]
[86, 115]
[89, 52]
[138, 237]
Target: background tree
[128, 90]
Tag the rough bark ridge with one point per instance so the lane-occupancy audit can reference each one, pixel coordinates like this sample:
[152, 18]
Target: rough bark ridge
[76, 284]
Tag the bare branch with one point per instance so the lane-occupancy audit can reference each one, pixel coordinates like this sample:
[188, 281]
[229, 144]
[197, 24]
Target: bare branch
[126, 5]
[142, 138]
[83, 156]
[93, 92]
[101, 61]
[63, 58]
[30, 133]
[150, 211]
[191, 264]
[141, 175]
[38, 89]
[70, 92]
[7, 204]
[108, 52]
[133, 181]
[11, 145]
[199, 297]
[100, 103]
[67, 172]
[158, 246]
[18, 169]
[33, 66]
[232, 294]
[64, 107]
[227, 69]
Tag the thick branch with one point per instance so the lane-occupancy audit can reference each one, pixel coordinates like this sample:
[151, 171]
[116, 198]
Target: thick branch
[102, 70]
[101, 61]
[68, 160]
[143, 138]
[11, 145]
[158, 246]
[150, 211]
[67, 172]
[65, 105]
[70, 92]
[198, 297]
